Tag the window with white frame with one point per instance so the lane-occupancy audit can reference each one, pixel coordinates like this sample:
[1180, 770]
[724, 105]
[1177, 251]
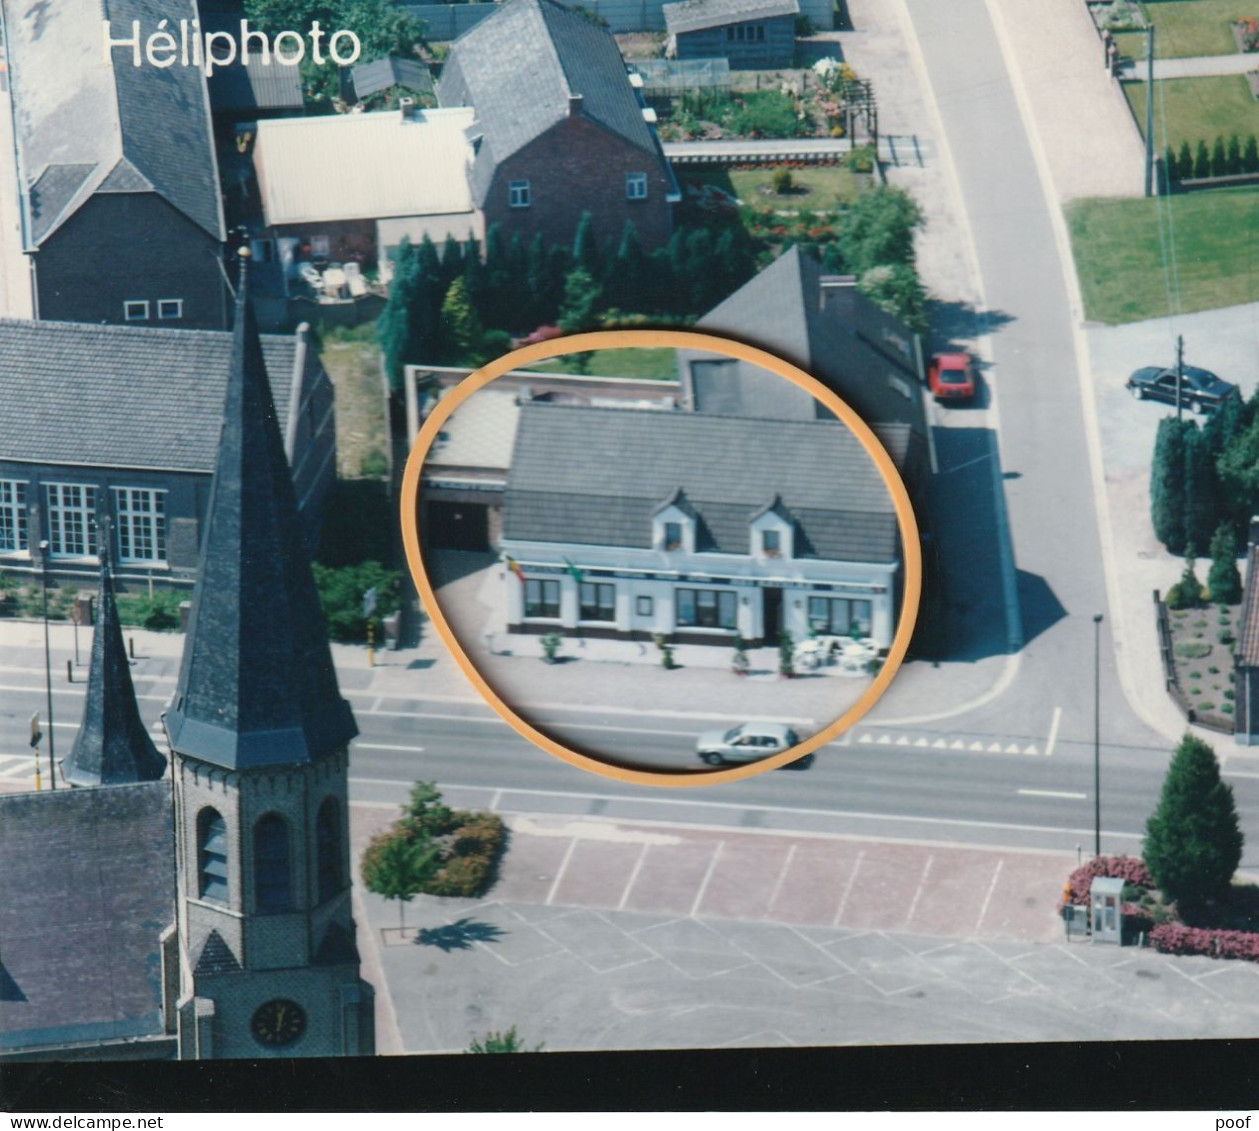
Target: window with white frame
[839, 616]
[170, 308]
[706, 608]
[636, 186]
[141, 519]
[136, 310]
[598, 601]
[542, 598]
[673, 536]
[12, 516]
[518, 194]
[71, 520]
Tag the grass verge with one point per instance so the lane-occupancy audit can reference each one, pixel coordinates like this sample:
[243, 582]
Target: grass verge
[1196, 110]
[815, 187]
[1184, 29]
[644, 364]
[1124, 254]
[352, 359]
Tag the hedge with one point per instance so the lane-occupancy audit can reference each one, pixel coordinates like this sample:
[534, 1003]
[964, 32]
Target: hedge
[1171, 938]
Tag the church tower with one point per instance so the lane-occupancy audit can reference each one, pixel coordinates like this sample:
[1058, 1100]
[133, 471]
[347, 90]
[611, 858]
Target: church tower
[261, 960]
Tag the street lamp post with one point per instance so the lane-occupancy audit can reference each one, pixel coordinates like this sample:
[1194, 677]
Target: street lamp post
[1097, 734]
[52, 757]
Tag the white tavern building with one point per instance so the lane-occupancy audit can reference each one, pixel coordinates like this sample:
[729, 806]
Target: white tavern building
[632, 524]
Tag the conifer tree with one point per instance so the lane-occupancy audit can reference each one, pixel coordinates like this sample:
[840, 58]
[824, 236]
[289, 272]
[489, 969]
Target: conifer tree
[1224, 580]
[1202, 162]
[1184, 162]
[1250, 155]
[1201, 492]
[1219, 160]
[1167, 485]
[1233, 156]
[1193, 842]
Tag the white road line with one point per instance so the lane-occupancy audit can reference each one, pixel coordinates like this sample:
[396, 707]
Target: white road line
[386, 746]
[847, 814]
[988, 898]
[1053, 732]
[559, 876]
[1238, 774]
[629, 884]
[703, 887]
[782, 876]
[922, 884]
[1052, 793]
[852, 879]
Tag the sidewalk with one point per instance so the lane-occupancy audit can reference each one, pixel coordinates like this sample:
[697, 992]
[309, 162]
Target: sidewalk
[1200, 66]
[611, 935]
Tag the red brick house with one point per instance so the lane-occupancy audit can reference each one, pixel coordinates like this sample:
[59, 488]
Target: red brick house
[559, 129]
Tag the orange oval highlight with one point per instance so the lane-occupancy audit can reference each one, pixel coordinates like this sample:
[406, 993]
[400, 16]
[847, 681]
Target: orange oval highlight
[910, 546]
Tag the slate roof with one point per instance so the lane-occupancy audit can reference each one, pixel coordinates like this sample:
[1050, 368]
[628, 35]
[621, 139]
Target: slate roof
[249, 87]
[256, 687]
[596, 476]
[696, 15]
[86, 888]
[84, 125]
[1247, 651]
[112, 746]
[834, 333]
[520, 67]
[372, 78]
[154, 398]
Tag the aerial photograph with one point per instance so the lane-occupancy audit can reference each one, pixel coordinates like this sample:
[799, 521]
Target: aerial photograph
[258, 799]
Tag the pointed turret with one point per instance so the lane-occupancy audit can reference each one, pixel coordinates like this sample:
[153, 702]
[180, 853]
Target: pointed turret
[257, 686]
[112, 746]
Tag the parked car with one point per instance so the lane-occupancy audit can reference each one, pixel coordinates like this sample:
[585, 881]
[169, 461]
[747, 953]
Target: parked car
[951, 377]
[1200, 389]
[748, 742]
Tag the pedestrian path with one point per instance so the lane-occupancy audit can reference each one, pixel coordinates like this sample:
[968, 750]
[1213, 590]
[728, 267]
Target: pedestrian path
[1196, 67]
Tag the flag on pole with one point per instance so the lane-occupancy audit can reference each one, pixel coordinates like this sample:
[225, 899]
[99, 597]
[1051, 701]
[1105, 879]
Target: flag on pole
[514, 566]
[574, 572]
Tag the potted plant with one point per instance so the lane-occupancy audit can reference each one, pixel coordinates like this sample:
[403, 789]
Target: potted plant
[739, 661]
[550, 646]
[786, 656]
[666, 657]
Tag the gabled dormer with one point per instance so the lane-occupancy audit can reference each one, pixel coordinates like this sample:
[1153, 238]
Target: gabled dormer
[674, 523]
[772, 532]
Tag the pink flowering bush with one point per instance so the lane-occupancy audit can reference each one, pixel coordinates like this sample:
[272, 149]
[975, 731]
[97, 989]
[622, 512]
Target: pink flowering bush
[1130, 869]
[1173, 938]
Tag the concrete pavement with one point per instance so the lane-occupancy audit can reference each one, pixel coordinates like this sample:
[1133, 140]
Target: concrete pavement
[1197, 67]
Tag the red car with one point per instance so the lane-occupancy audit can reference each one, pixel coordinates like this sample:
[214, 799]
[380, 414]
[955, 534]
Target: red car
[951, 378]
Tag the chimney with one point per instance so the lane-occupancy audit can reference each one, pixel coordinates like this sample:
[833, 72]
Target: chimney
[405, 106]
[574, 105]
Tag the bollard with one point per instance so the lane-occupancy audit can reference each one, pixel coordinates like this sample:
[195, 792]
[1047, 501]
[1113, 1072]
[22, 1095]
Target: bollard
[131, 647]
[69, 671]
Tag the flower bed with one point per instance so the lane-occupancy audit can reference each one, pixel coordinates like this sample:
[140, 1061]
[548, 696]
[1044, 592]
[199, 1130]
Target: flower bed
[1246, 32]
[1174, 938]
[1130, 869]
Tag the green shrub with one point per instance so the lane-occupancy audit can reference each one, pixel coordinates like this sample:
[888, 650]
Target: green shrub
[861, 159]
[1206, 705]
[1193, 650]
[764, 113]
[341, 591]
[1226, 636]
[782, 181]
[158, 613]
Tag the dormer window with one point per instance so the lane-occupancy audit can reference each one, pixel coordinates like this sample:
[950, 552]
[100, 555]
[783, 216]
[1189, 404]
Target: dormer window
[673, 536]
[673, 524]
[772, 531]
[771, 543]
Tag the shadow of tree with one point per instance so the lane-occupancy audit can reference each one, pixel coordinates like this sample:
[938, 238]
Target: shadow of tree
[460, 935]
[953, 322]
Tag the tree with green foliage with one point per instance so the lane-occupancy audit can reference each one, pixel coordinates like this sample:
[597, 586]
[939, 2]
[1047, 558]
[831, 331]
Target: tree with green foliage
[1224, 580]
[425, 813]
[452, 260]
[1171, 169]
[341, 591]
[397, 865]
[495, 299]
[409, 329]
[1202, 162]
[1233, 156]
[586, 253]
[1219, 159]
[581, 302]
[1193, 841]
[879, 229]
[463, 333]
[1184, 162]
[1167, 483]
[508, 1040]
[896, 288]
[1250, 155]
[786, 655]
[1187, 592]
[1201, 493]
[628, 283]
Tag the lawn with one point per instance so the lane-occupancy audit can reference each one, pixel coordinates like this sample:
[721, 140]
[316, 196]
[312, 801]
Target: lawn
[1120, 259]
[1186, 28]
[1196, 110]
[816, 187]
[352, 359]
[645, 364]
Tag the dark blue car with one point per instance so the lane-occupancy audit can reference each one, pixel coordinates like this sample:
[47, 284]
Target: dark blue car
[1200, 389]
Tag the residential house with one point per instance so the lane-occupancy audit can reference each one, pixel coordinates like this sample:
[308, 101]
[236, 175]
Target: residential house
[395, 174]
[1246, 657]
[630, 523]
[125, 420]
[117, 184]
[749, 33]
[820, 323]
[559, 129]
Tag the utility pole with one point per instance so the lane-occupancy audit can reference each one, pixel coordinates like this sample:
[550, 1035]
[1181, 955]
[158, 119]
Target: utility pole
[1149, 110]
[1180, 371]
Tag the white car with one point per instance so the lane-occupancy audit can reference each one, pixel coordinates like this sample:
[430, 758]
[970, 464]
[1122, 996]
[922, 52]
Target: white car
[748, 742]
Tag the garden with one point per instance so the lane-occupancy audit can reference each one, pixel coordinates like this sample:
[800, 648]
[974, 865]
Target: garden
[1182, 896]
[1183, 28]
[1196, 110]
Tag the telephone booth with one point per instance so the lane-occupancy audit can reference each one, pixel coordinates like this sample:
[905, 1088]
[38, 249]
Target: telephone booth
[1106, 910]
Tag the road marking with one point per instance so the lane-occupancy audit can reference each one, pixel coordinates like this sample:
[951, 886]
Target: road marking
[852, 879]
[559, 876]
[629, 884]
[703, 887]
[922, 883]
[988, 898]
[386, 746]
[1053, 732]
[1052, 793]
[782, 875]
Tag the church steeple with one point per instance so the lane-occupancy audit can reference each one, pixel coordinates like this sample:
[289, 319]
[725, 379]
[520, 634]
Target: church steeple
[257, 686]
[112, 746]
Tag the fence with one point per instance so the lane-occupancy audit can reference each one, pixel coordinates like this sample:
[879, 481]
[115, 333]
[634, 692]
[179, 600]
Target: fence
[446, 21]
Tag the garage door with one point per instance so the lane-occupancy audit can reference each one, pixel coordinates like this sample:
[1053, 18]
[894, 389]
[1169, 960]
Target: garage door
[457, 526]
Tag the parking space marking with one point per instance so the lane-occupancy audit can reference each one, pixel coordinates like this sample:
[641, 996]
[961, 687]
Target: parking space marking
[782, 876]
[559, 872]
[843, 902]
[638, 867]
[922, 884]
[703, 887]
[1053, 732]
[988, 897]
